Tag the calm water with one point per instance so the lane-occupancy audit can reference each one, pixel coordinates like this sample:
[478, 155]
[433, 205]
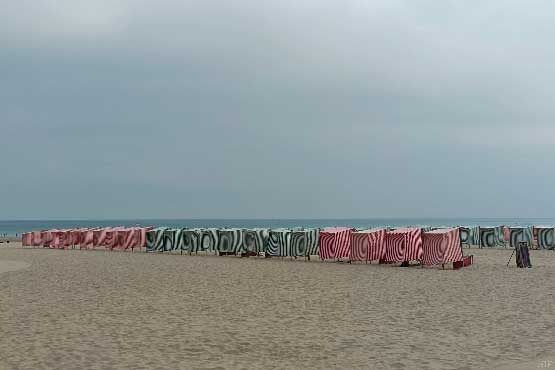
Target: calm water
[17, 227]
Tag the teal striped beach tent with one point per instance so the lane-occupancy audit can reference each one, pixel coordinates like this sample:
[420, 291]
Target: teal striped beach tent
[172, 240]
[254, 240]
[190, 240]
[470, 235]
[279, 243]
[229, 240]
[546, 237]
[155, 239]
[520, 235]
[304, 242]
[208, 240]
[492, 237]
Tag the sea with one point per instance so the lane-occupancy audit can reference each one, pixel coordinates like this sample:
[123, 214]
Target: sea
[15, 227]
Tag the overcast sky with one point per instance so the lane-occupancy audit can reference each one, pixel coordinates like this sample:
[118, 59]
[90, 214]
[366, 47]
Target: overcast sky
[250, 109]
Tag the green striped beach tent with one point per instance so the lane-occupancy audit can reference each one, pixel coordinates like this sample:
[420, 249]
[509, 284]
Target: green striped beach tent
[190, 240]
[470, 235]
[172, 240]
[254, 240]
[546, 237]
[279, 243]
[304, 242]
[492, 236]
[520, 234]
[229, 240]
[208, 240]
[155, 239]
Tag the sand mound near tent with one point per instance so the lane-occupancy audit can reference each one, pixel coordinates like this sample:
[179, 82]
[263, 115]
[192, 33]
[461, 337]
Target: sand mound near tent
[115, 310]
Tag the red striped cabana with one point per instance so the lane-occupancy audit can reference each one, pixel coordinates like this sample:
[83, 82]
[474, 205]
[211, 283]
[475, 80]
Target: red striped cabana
[403, 245]
[441, 246]
[367, 245]
[335, 243]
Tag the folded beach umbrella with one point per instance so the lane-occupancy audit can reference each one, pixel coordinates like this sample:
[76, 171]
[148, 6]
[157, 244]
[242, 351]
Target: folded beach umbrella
[279, 243]
[254, 240]
[368, 245]
[304, 242]
[229, 240]
[155, 239]
[441, 246]
[545, 236]
[208, 240]
[520, 235]
[491, 237]
[403, 245]
[335, 243]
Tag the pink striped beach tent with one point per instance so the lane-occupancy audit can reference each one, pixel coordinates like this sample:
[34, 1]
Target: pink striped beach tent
[36, 238]
[87, 238]
[403, 245]
[441, 246]
[47, 238]
[335, 243]
[367, 245]
[27, 239]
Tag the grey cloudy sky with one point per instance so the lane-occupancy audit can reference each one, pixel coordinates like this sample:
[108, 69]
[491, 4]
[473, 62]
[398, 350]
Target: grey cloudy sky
[245, 108]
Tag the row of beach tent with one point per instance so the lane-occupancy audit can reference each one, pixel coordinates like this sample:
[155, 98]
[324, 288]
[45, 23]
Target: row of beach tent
[499, 236]
[427, 246]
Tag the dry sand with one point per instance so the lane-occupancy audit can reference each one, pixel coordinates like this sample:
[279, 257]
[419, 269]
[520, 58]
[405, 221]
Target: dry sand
[113, 310]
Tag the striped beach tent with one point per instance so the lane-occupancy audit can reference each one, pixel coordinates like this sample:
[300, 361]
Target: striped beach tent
[367, 245]
[304, 243]
[171, 239]
[491, 237]
[520, 235]
[279, 243]
[470, 235]
[254, 240]
[208, 240]
[229, 240]
[545, 236]
[155, 239]
[335, 243]
[27, 239]
[441, 246]
[190, 240]
[403, 245]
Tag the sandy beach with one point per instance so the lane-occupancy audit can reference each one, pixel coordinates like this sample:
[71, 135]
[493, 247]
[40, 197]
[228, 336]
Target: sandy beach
[119, 310]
